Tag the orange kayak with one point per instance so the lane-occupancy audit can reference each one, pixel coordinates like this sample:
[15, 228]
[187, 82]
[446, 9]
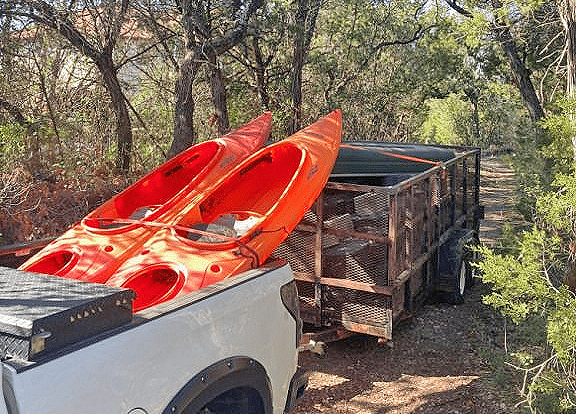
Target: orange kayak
[238, 222]
[94, 248]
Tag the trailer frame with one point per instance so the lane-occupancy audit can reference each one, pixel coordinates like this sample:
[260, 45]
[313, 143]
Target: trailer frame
[366, 278]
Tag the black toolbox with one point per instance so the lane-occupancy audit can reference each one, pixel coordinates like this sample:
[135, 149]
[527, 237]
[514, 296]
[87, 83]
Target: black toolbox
[40, 314]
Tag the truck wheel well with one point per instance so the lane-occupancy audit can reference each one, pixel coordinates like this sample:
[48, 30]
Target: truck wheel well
[233, 385]
[237, 400]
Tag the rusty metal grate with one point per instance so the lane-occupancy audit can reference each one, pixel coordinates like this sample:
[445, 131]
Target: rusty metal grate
[371, 224]
[338, 203]
[309, 311]
[357, 307]
[358, 260]
[298, 250]
[343, 223]
[371, 203]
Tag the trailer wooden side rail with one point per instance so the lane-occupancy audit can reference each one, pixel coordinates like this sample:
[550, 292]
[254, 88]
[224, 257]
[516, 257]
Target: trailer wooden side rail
[364, 256]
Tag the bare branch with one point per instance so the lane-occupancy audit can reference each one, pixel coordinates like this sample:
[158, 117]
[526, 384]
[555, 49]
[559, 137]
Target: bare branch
[458, 8]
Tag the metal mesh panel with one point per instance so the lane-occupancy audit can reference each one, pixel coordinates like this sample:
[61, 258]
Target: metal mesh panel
[371, 203]
[415, 223]
[358, 307]
[338, 203]
[308, 310]
[310, 218]
[471, 181]
[358, 260]
[343, 223]
[459, 189]
[402, 248]
[298, 250]
[372, 224]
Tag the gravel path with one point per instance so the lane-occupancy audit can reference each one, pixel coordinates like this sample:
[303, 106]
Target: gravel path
[439, 361]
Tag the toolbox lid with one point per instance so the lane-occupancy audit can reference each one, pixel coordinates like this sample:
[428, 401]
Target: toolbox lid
[55, 310]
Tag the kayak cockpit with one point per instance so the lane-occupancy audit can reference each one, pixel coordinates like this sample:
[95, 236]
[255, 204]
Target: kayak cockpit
[237, 206]
[149, 198]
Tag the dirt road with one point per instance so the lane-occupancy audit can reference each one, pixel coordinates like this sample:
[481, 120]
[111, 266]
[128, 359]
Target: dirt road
[439, 361]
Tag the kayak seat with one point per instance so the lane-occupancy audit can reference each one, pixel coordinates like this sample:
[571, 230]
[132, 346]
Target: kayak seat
[230, 225]
[223, 226]
[138, 214]
[142, 212]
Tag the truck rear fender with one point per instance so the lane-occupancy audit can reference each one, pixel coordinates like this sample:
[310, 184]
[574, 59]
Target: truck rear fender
[289, 296]
[7, 399]
[234, 385]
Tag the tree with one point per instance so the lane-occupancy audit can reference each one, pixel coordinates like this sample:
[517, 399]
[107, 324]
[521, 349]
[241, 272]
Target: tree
[209, 33]
[567, 11]
[520, 73]
[304, 26]
[93, 29]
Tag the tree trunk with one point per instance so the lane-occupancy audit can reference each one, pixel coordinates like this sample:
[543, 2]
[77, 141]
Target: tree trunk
[520, 73]
[219, 96]
[305, 23]
[471, 94]
[296, 87]
[123, 124]
[200, 45]
[184, 133]
[567, 9]
[260, 74]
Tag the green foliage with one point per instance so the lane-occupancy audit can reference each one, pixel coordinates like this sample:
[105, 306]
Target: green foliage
[448, 121]
[560, 125]
[522, 285]
[558, 208]
[530, 280]
[12, 145]
[518, 286]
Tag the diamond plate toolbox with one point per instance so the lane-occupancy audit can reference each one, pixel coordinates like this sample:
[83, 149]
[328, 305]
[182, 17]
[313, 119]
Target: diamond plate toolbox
[40, 314]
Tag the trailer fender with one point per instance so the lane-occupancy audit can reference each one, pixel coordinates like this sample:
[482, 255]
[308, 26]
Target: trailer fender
[234, 385]
[455, 273]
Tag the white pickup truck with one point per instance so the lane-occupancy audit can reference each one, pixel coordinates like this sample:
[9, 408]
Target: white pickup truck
[75, 347]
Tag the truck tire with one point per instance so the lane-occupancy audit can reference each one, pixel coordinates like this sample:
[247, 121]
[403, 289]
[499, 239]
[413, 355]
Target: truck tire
[237, 400]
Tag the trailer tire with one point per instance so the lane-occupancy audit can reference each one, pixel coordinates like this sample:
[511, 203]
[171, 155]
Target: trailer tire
[455, 270]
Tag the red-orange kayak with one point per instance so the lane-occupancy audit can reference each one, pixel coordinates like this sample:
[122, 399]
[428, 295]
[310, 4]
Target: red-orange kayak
[237, 223]
[93, 249]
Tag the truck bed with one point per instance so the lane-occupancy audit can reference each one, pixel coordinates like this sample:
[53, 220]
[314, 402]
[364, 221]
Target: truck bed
[239, 325]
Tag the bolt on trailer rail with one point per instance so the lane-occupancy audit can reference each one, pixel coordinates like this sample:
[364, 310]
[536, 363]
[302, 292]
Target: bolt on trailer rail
[365, 256]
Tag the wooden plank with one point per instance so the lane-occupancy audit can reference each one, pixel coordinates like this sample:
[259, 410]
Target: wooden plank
[392, 235]
[352, 284]
[318, 257]
[326, 335]
[359, 188]
[357, 235]
[23, 249]
[385, 334]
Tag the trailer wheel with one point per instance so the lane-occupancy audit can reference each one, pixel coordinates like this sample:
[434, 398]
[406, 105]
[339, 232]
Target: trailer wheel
[455, 270]
[463, 277]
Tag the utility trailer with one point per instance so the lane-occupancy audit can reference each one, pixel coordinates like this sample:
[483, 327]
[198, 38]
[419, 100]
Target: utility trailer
[390, 229]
